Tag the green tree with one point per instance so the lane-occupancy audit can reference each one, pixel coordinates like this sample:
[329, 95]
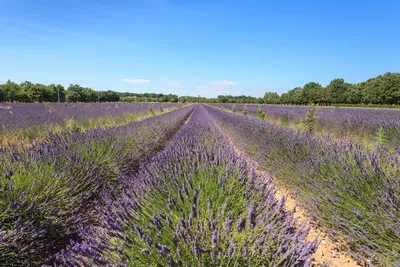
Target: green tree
[182, 99]
[271, 98]
[89, 95]
[338, 89]
[296, 96]
[311, 92]
[25, 91]
[109, 96]
[38, 92]
[76, 93]
[2, 94]
[55, 91]
[10, 91]
[383, 89]
[223, 99]
[22, 96]
[72, 96]
[324, 96]
[353, 94]
[172, 98]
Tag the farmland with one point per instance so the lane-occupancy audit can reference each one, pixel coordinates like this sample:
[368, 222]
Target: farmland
[142, 184]
[25, 123]
[365, 125]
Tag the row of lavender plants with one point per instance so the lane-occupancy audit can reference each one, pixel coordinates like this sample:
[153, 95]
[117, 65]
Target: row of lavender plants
[24, 127]
[48, 190]
[354, 193]
[194, 204]
[377, 125]
[21, 115]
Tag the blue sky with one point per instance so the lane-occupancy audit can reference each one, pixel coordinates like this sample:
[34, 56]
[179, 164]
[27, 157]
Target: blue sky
[197, 47]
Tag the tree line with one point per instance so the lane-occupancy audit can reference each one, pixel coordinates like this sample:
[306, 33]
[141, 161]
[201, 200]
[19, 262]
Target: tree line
[37, 92]
[383, 89]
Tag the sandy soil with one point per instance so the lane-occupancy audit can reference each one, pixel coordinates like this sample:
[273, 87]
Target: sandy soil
[328, 250]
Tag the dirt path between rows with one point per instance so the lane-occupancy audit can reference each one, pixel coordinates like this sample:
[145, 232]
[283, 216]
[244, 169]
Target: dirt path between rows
[328, 251]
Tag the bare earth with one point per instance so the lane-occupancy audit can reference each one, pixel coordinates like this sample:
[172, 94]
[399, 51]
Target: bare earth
[328, 251]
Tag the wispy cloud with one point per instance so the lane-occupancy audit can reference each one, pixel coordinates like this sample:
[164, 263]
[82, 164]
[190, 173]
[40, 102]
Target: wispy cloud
[127, 80]
[230, 92]
[217, 85]
[175, 84]
[214, 88]
[222, 84]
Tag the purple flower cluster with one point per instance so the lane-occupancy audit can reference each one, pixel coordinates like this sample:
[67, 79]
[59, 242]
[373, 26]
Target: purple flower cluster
[196, 203]
[354, 192]
[48, 190]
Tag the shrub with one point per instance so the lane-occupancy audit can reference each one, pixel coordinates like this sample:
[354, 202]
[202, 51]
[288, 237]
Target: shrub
[245, 111]
[311, 119]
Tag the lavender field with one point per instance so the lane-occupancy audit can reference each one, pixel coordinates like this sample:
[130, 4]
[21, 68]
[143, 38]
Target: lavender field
[364, 124]
[19, 115]
[197, 185]
[26, 123]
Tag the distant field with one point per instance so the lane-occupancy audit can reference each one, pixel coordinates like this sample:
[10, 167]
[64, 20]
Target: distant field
[26, 123]
[18, 115]
[368, 126]
[367, 106]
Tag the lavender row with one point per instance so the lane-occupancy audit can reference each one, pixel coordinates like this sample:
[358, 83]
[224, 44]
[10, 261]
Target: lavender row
[47, 191]
[387, 118]
[355, 193]
[194, 204]
[362, 122]
[20, 115]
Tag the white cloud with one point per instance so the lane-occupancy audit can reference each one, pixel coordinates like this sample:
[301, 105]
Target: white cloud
[217, 85]
[127, 80]
[215, 88]
[229, 92]
[175, 84]
[222, 84]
